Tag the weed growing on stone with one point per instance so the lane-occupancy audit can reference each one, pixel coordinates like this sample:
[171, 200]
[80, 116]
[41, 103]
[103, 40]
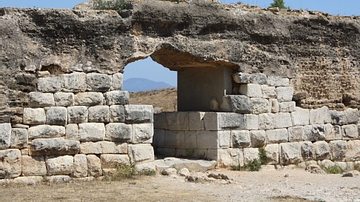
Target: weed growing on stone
[254, 165]
[335, 169]
[262, 156]
[116, 5]
[123, 171]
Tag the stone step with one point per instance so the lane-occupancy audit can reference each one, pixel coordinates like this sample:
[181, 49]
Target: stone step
[195, 165]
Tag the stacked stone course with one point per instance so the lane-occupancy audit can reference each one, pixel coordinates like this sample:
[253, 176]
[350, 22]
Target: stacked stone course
[78, 125]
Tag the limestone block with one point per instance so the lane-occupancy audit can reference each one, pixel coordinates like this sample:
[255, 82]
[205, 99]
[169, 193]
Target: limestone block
[160, 121]
[46, 131]
[113, 160]
[353, 151]
[257, 78]
[296, 134]
[31, 180]
[228, 121]
[300, 117]
[268, 91]
[266, 121]
[98, 82]
[103, 147]
[251, 122]
[258, 138]
[91, 132]
[332, 132]
[224, 138]
[283, 120]
[272, 154]
[75, 82]
[119, 132]
[250, 154]
[142, 133]
[94, 165]
[321, 150]
[38, 99]
[196, 121]
[117, 113]
[236, 103]
[277, 81]
[320, 116]
[277, 135]
[139, 114]
[290, 153]
[338, 149]
[251, 90]
[274, 105]
[190, 139]
[72, 132]
[34, 116]
[5, 135]
[230, 157]
[207, 140]
[10, 163]
[80, 166]
[33, 166]
[54, 146]
[89, 99]
[307, 150]
[159, 138]
[350, 132]
[64, 99]
[178, 121]
[337, 117]
[117, 81]
[314, 132]
[117, 98]
[287, 106]
[175, 139]
[59, 179]
[141, 152]
[145, 167]
[56, 115]
[77, 114]
[50, 84]
[351, 116]
[259, 106]
[19, 138]
[240, 138]
[100, 114]
[61, 165]
[284, 94]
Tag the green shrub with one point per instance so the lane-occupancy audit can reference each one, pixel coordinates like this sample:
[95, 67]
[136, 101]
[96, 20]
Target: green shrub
[116, 5]
[335, 169]
[278, 3]
[123, 171]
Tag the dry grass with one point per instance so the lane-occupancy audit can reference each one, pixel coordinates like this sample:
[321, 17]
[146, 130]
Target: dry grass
[164, 100]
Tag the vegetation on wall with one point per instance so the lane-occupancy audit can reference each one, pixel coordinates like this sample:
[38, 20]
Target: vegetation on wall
[278, 3]
[116, 5]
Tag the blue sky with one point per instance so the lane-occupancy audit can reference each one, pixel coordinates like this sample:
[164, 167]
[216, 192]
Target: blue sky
[153, 71]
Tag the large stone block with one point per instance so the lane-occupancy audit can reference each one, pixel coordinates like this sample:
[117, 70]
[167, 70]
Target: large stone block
[5, 135]
[277, 81]
[284, 94]
[99, 114]
[34, 116]
[119, 132]
[277, 136]
[230, 157]
[287, 106]
[296, 134]
[338, 149]
[353, 151]
[117, 81]
[350, 132]
[33, 166]
[80, 166]
[258, 138]
[91, 132]
[352, 116]
[283, 120]
[98, 82]
[251, 90]
[240, 138]
[259, 106]
[19, 138]
[139, 114]
[89, 99]
[46, 131]
[103, 147]
[117, 113]
[274, 105]
[266, 121]
[307, 150]
[332, 132]
[337, 117]
[290, 153]
[207, 140]
[142, 133]
[60, 165]
[268, 91]
[300, 117]
[94, 166]
[77, 114]
[38, 99]
[141, 152]
[64, 99]
[250, 154]
[179, 120]
[50, 84]
[159, 138]
[117, 98]
[54, 146]
[190, 139]
[320, 116]
[251, 122]
[72, 132]
[196, 121]
[75, 82]
[56, 115]
[314, 132]
[113, 160]
[236, 103]
[10, 163]
[321, 150]
[257, 78]
[175, 139]
[224, 138]
[272, 154]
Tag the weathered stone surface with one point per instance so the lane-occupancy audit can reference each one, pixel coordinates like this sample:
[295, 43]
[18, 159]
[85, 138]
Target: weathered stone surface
[34, 116]
[180, 120]
[117, 113]
[5, 135]
[94, 165]
[77, 114]
[277, 135]
[296, 134]
[64, 99]
[139, 114]
[320, 116]
[119, 132]
[103, 147]
[321, 150]
[338, 149]
[54, 146]
[61, 165]
[141, 152]
[196, 121]
[307, 150]
[117, 98]
[230, 157]
[98, 82]
[332, 132]
[287, 106]
[91, 132]
[337, 117]
[10, 163]
[283, 120]
[89, 99]
[272, 153]
[150, 166]
[113, 160]
[258, 138]
[266, 121]
[19, 138]
[59, 179]
[259, 106]
[251, 122]
[75, 82]
[99, 114]
[224, 138]
[205, 140]
[314, 132]
[236, 103]
[72, 132]
[80, 166]
[352, 116]
[38, 99]
[278, 81]
[117, 81]
[33, 166]
[245, 78]
[251, 90]
[56, 115]
[300, 117]
[250, 154]
[290, 153]
[350, 132]
[50, 84]
[240, 138]
[31, 180]
[274, 105]
[284, 94]
[142, 133]
[268, 91]
[353, 151]
[46, 131]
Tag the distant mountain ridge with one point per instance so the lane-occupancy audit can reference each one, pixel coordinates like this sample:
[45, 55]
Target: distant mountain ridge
[141, 84]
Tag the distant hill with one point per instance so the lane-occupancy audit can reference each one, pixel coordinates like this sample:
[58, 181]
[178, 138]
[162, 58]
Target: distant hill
[140, 84]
